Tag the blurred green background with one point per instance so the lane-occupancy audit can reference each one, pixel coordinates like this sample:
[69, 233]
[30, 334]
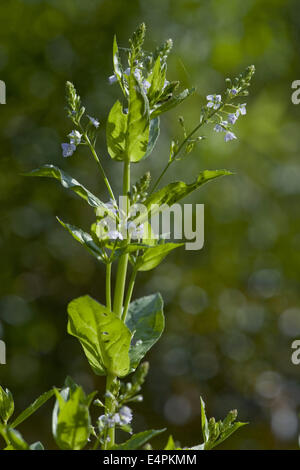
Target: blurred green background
[232, 309]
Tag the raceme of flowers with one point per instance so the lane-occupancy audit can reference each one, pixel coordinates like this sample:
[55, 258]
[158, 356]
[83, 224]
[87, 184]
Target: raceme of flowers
[224, 125]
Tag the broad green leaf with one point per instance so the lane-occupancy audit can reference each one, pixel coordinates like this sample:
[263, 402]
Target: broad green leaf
[7, 405]
[104, 337]
[67, 182]
[36, 446]
[127, 135]
[84, 238]
[138, 121]
[16, 440]
[145, 319]
[153, 136]
[40, 401]
[171, 103]
[138, 440]
[176, 191]
[116, 131]
[153, 256]
[118, 69]
[73, 424]
[204, 422]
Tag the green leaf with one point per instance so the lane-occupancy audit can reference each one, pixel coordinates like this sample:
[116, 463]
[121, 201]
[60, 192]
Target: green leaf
[40, 401]
[7, 405]
[127, 135]
[84, 238]
[138, 440]
[138, 121]
[145, 319]
[204, 422]
[36, 446]
[72, 428]
[118, 69]
[176, 191]
[16, 440]
[226, 433]
[216, 432]
[153, 256]
[67, 182]
[153, 136]
[171, 103]
[104, 337]
[116, 129]
[157, 80]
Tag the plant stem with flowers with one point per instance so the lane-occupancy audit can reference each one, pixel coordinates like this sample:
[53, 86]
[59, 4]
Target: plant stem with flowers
[115, 336]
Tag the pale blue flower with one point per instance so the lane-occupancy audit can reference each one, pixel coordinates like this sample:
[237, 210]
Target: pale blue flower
[115, 235]
[134, 231]
[138, 74]
[94, 121]
[232, 118]
[233, 91]
[242, 109]
[221, 127]
[229, 136]
[105, 421]
[146, 85]
[112, 207]
[112, 79]
[214, 101]
[124, 416]
[75, 137]
[68, 149]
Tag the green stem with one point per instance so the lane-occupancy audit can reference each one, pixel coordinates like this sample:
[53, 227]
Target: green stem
[129, 294]
[108, 285]
[109, 409]
[161, 175]
[123, 262]
[94, 153]
[118, 305]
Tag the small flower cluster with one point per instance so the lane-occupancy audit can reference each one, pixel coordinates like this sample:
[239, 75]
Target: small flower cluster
[75, 112]
[114, 225]
[122, 418]
[138, 73]
[69, 148]
[223, 125]
[221, 109]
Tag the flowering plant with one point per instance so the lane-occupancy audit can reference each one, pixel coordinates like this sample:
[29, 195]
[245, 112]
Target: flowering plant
[116, 336]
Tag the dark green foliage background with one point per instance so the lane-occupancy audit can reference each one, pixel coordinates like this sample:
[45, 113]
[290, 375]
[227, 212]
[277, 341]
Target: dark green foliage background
[228, 335]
